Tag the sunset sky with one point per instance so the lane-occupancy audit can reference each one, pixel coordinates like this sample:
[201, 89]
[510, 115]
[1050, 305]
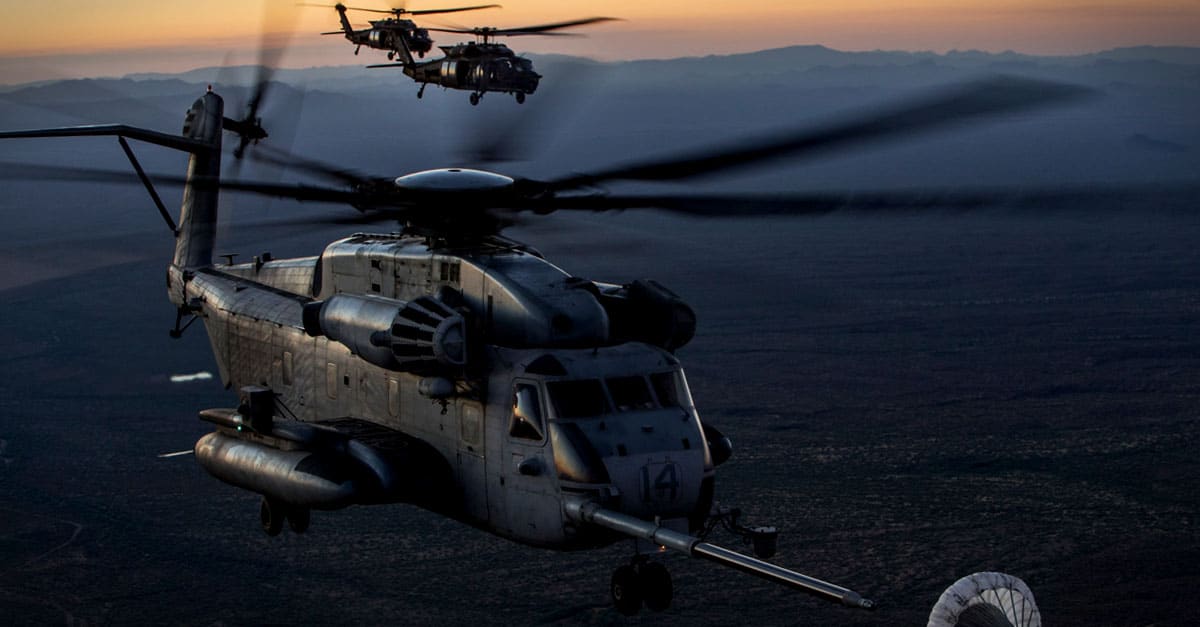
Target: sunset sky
[66, 38]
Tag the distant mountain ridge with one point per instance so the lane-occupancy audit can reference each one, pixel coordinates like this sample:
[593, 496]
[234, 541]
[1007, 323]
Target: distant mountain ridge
[791, 58]
[1177, 61]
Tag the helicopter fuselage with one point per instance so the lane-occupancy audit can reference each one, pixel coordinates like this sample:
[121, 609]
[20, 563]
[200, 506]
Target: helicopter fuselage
[395, 36]
[479, 68]
[561, 409]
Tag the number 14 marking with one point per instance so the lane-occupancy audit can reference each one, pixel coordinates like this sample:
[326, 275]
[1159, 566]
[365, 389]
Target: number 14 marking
[666, 483]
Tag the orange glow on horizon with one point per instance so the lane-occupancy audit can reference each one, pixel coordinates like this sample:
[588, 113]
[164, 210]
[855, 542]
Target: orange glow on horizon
[144, 34]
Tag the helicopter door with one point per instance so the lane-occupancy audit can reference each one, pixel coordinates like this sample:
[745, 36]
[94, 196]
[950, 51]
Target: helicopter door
[468, 74]
[481, 74]
[471, 473]
[533, 508]
[450, 73]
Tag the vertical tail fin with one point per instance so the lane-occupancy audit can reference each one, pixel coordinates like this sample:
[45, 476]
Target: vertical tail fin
[346, 27]
[198, 212]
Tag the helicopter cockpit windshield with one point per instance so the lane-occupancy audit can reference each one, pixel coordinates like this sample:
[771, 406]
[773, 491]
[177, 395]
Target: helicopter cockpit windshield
[591, 398]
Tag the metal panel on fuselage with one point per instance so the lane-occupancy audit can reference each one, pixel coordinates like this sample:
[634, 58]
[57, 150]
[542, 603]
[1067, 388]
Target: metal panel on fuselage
[260, 326]
[526, 508]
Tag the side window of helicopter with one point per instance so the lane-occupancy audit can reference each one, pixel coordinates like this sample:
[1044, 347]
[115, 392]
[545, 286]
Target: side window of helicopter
[578, 399]
[526, 421]
[630, 393]
[450, 272]
[666, 389]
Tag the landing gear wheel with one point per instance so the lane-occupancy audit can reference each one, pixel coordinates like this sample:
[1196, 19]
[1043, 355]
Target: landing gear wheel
[626, 590]
[474, 99]
[271, 515]
[655, 582]
[298, 519]
[520, 98]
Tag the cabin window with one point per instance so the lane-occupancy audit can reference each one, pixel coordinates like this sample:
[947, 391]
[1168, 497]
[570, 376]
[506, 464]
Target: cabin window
[526, 421]
[666, 388]
[630, 393]
[578, 399]
[449, 271]
[287, 367]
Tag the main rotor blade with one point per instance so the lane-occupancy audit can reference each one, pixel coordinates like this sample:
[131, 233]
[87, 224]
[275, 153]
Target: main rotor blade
[988, 97]
[1085, 197]
[454, 10]
[312, 193]
[542, 29]
[281, 158]
[516, 135]
[403, 11]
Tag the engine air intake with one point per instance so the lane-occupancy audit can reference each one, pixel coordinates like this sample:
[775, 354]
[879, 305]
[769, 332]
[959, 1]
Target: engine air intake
[426, 329]
[422, 336]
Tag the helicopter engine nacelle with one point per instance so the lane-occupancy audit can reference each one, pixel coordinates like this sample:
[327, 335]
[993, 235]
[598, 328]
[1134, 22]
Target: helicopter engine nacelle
[420, 335]
[645, 311]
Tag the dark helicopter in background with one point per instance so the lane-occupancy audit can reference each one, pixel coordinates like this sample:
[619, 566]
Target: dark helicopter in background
[483, 65]
[396, 35]
[451, 368]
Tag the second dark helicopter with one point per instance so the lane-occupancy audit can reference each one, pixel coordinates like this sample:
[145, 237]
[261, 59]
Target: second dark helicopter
[479, 67]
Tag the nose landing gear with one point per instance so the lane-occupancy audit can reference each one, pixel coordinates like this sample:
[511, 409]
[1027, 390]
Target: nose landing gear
[641, 582]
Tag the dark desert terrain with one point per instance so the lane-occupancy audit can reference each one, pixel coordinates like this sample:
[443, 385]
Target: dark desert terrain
[911, 397]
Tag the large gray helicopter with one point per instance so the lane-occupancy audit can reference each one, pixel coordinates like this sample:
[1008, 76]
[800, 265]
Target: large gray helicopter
[451, 368]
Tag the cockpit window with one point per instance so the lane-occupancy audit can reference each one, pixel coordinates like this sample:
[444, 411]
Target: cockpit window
[526, 413]
[630, 393]
[578, 399]
[666, 388]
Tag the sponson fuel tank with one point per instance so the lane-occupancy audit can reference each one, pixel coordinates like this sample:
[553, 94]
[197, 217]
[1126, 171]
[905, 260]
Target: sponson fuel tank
[297, 463]
[327, 465]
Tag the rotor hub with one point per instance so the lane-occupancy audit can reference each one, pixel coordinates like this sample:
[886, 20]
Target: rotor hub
[453, 179]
